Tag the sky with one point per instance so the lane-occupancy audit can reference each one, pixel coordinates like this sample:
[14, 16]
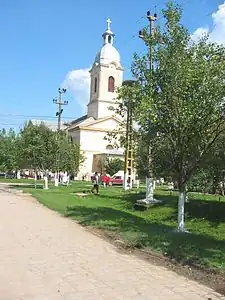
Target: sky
[50, 44]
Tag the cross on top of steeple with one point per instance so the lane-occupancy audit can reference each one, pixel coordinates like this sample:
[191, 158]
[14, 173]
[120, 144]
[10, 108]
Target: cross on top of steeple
[108, 34]
[108, 24]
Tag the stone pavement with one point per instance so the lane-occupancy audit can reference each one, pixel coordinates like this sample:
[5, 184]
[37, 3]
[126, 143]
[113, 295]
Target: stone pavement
[44, 256]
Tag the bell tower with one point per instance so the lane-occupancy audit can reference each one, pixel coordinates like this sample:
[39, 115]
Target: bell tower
[106, 75]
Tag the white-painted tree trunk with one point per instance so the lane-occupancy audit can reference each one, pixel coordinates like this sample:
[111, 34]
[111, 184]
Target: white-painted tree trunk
[56, 181]
[138, 183]
[149, 190]
[46, 182]
[149, 194]
[35, 180]
[125, 185]
[181, 204]
[131, 183]
[186, 196]
[154, 184]
[68, 180]
[18, 175]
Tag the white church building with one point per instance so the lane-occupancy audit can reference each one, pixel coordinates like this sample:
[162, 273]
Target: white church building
[91, 129]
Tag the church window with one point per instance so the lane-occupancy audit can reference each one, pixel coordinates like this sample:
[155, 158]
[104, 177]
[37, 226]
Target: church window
[96, 84]
[109, 147]
[111, 84]
[109, 39]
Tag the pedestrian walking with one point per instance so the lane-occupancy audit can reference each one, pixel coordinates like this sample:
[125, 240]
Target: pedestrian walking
[96, 183]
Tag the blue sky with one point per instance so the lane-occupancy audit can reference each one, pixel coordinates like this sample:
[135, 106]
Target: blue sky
[43, 43]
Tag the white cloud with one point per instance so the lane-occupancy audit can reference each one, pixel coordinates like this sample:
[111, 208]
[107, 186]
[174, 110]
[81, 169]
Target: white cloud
[199, 33]
[217, 33]
[77, 82]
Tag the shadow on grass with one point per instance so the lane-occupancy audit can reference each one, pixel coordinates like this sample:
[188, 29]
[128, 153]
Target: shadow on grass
[209, 210]
[130, 199]
[26, 186]
[186, 248]
[212, 211]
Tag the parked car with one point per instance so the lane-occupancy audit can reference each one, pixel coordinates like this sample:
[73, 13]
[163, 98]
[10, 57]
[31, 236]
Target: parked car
[116, 180]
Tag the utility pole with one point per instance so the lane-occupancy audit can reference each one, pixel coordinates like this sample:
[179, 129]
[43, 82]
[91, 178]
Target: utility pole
[151, 20]
[149, 177]
[129, 144]
[60, 103]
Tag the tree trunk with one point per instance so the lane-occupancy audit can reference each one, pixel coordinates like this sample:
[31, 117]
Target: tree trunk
[125, 185]
[181, 204]
[149, 178]
[215, 184]
[149, 189]
[18, 176]
[56, 179]
[46, 182]
[222, 189]
[154, 184]
[35, 179]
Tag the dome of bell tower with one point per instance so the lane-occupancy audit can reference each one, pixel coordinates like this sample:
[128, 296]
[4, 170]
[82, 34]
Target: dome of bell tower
[108, 53]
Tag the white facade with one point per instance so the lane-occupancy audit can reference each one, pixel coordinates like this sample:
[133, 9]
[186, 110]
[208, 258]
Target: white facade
[90, 130]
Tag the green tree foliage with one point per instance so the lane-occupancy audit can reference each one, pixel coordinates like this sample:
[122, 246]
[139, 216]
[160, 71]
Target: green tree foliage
[43, 149]
[69, 154]
[211, 176]
[8, 150]
[38, 147]
[179, 106]
[113, 165]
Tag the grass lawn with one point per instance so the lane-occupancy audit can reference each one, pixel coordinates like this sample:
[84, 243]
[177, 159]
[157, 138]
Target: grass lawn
[113, 211]
[22, 180]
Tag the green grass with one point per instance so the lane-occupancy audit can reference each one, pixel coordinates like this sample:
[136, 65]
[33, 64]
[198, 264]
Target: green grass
[113, 211]
[15, 180]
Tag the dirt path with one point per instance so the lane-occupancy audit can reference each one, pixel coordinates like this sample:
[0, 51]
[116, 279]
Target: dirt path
[48, 257]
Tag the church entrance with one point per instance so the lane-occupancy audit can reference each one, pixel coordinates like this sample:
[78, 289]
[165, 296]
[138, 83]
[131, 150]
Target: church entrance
[100, 160]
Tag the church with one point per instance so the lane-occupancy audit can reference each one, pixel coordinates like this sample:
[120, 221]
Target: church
[90, 130]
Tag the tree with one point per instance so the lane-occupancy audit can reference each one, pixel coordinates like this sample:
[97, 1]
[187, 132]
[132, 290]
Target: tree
[8, 150]
[114, 165]
[180, 106]
[211, 176]
[70, 156]
[38, 147]
[43, 149]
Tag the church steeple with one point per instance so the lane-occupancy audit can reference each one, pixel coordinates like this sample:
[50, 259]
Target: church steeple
[106, 74]
[108, 35]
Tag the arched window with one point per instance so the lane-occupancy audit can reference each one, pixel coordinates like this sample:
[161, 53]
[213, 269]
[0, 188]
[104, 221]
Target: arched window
[109, 147]
[111, 84]
[96, 84]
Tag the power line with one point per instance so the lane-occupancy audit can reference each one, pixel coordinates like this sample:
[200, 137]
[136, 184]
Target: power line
[17, 124]
[33, 116]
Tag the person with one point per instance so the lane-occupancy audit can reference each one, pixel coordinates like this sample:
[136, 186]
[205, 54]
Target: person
[107, 180]
[96, 183]
[104, 178]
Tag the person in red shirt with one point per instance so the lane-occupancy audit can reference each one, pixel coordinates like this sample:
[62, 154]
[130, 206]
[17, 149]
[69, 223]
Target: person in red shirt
[104, 180]
[107, 180]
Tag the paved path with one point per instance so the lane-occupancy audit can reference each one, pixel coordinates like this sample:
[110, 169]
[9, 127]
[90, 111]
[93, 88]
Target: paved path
[47, 257]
